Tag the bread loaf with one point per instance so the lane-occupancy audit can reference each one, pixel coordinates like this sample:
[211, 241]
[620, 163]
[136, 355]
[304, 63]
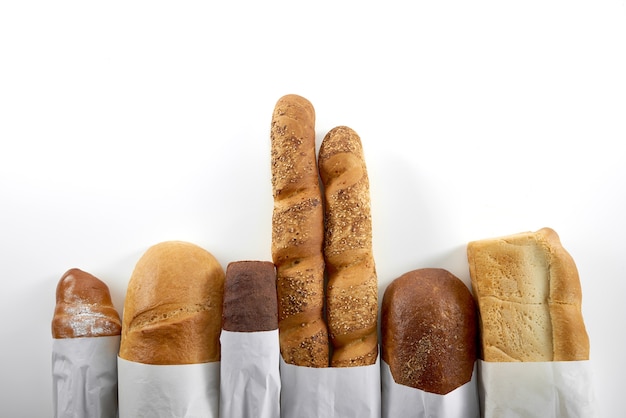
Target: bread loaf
[297, 234]
[250, 297]
[352, 289]
[84, 307]
[173, 307]
[429, 330]
[529, 298]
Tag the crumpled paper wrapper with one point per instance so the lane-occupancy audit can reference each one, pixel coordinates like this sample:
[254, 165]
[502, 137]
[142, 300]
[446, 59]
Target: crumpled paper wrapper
[84, 377]
[168, 391]
[554, 389]
[250, 380]
[407, 402]
[331, 392]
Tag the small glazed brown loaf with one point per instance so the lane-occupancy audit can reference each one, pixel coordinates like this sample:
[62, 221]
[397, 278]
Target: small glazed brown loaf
[84, 307]
[298, 234]
[529, 298]
[173, 307]
[352, 289]
[250, 297]
[429, 330]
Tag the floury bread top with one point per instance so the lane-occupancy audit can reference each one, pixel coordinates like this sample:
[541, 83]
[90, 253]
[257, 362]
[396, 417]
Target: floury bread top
[84, 307]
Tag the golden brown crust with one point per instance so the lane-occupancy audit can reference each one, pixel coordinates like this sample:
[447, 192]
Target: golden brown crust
[173, 306]
[84, 307]
[429, 330]
[297, 234]
[352, 289]
[529, 297]
[250, 303]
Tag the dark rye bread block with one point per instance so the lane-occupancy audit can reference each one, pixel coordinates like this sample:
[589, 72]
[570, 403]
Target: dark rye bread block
[250, 301]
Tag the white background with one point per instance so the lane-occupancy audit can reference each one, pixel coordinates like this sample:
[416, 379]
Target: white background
[124, 124]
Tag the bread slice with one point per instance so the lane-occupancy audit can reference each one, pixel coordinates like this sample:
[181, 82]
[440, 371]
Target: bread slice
[529, 298]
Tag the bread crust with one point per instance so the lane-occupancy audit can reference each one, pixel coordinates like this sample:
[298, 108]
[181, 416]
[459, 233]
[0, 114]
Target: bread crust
[173, 307]
[297, 234]
[529, 297]
[250, 302]
[84, 307]
[352, 288]
[429, 330]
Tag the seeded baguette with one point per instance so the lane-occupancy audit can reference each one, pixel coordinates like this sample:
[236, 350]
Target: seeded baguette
[529, 298]
[84, 307]
[297, 234]
[352, 289]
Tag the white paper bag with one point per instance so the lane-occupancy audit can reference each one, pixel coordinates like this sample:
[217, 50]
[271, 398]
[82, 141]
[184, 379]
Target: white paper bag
[331, 392]
[250, 375]
[555, 389]
[168, 391]
[84, 377]
[407, 402]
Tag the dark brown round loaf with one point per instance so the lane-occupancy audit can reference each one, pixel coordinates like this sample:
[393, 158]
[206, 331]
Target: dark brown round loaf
[429, 330]
[250, 301]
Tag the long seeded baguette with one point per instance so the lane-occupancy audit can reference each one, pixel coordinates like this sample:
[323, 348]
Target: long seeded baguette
[297, 234]
[529, 298]
[352, 289]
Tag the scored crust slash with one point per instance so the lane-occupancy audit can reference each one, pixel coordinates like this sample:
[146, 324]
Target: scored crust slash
[173, 307]
[314, 237]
